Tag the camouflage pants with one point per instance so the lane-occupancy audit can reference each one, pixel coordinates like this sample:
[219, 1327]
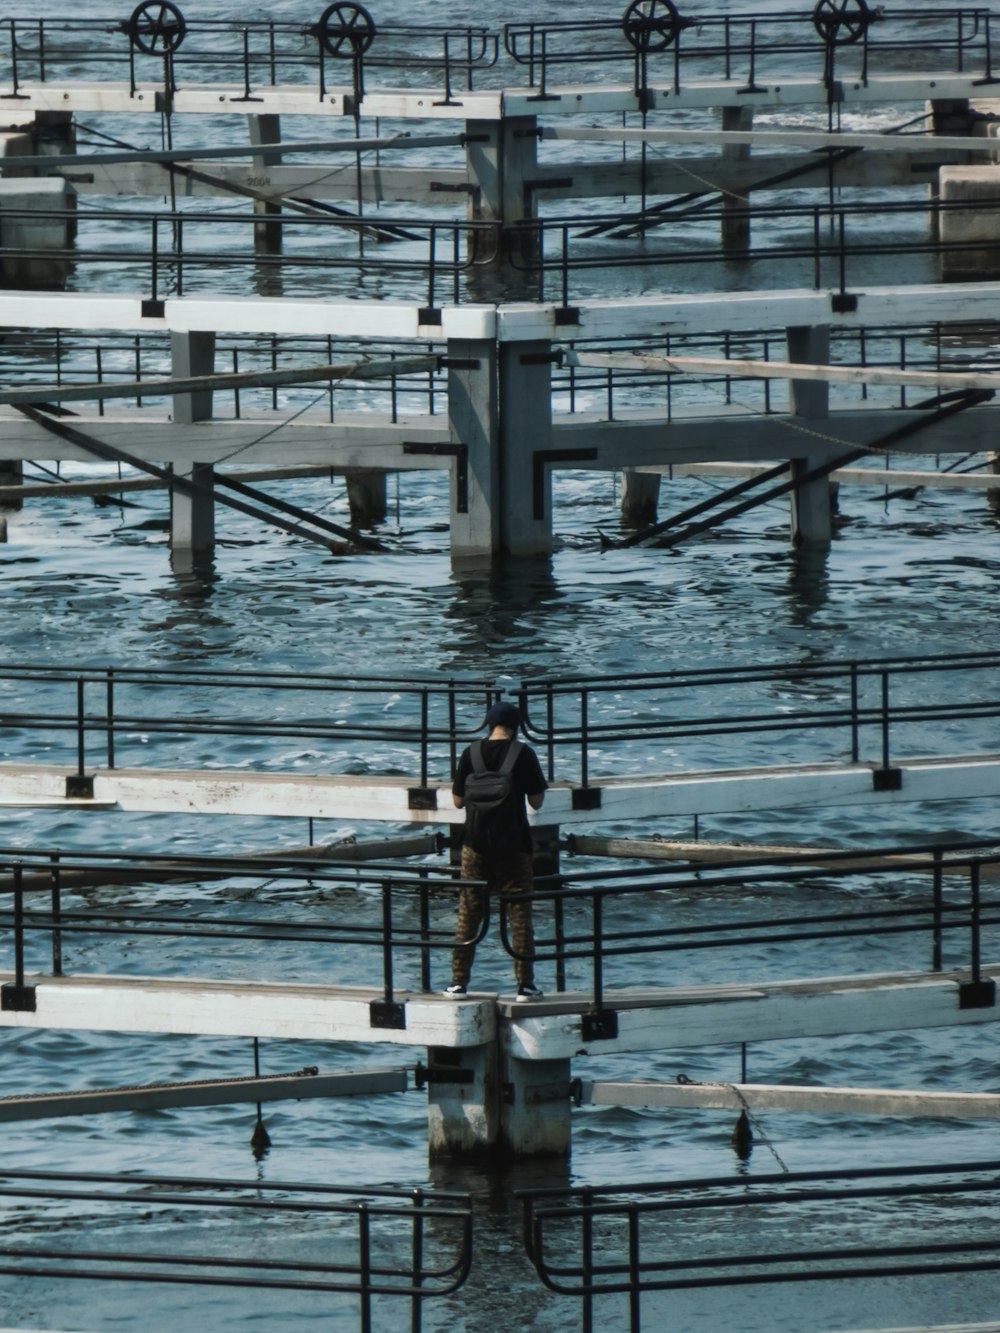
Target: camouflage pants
[507, 877]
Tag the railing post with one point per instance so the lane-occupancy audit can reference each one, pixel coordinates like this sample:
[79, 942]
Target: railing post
[558, 913]
[424, 739]
[885, 719]
[111, 716]
[386, 1013]
[587, 1262]
[937, 961]
[584, 766]
[365, 1264]
[16, 996]
[57, 968]
[855, 737]
[80, 751]
[417, 1260]
[976, 993]
[634, 1270]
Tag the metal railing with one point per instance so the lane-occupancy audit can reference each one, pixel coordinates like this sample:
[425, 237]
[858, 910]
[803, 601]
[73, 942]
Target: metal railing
[383, 1249]
[819, 245]
[177, 252]
[854, 710]
[151, 46]
[160, 43]
[633, 1241]
[933, 895]
[321, 918]
[123, 709]
[585, 727]
[667, 43]
[386, 909]
[170, 251]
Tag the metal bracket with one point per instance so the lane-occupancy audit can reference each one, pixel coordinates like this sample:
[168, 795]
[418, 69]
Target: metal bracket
[887, 779]
[458, 363]
[540, 460]
[843, 303]
[460, 452]
[422, 798]
[541, 359]
[423, 1075]
[429, 314]
[586, 798]
[79, 786]
[548, 1092]
[17, 999]
[386, 1014]
[566, 314]
[977, 995]
[153, 309]
[601, 1026]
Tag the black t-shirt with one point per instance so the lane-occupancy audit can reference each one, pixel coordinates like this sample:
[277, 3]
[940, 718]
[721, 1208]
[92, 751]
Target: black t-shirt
[527, 779]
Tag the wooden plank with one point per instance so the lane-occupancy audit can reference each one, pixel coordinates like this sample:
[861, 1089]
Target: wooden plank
[246, 379]
[810, 1007]
[774, 370]
[879, 477]
[810, 140]
[277, 1011]
[622, 799]
[205, 1092]
[780, 1097]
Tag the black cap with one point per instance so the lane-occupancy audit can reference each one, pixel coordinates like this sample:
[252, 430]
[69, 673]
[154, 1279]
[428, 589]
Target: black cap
[503, 714]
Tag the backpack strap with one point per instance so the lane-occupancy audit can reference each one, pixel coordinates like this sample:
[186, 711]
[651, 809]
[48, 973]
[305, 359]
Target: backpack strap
[476, 755]
[510, 758]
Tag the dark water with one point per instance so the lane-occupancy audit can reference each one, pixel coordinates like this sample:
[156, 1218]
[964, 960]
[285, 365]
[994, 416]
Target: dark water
[81, 583]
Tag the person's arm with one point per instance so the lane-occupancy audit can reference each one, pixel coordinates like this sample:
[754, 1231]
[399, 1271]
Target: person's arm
[458, 785]
[535, 801]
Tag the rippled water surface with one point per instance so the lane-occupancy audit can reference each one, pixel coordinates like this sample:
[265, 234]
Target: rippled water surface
[80, 583]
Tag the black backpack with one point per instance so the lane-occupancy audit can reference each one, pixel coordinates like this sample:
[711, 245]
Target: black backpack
[492, 814]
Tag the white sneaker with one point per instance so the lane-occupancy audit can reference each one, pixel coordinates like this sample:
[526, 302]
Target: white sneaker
[455, 992]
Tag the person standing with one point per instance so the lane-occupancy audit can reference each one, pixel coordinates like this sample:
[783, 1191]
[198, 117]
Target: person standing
[496, 847]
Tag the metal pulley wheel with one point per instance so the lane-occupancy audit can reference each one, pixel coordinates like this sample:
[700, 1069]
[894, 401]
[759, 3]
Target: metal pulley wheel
[842, 22]
[345, 30]
[156, 28]
[652, 25]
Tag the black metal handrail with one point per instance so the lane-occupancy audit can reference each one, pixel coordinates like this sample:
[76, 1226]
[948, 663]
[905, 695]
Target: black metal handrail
[933, 892]
[440, 260]
[167, 247]
[867, 699]
[386, 908]
[747, 46]
[833, 240]
[803, 1226]
[252, 53]
[408, 1245]
[585, 727]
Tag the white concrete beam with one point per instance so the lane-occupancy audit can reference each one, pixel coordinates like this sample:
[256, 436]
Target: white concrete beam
[624, 799]
[700, 1016]
[197, 1007]
[793, 1097]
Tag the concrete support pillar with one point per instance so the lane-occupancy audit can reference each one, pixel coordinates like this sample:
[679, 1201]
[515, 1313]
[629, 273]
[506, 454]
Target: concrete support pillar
[473, 418]
[736, 230]
[43, 194]
[640, 497]
[484, 1105]
[971, 222]
[501, 160]
[463, 1103]
[366, 496]
[811, 504]
[192, 517]
[11, 474]
[526, 453]
[266, 235]
[535, 1108]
